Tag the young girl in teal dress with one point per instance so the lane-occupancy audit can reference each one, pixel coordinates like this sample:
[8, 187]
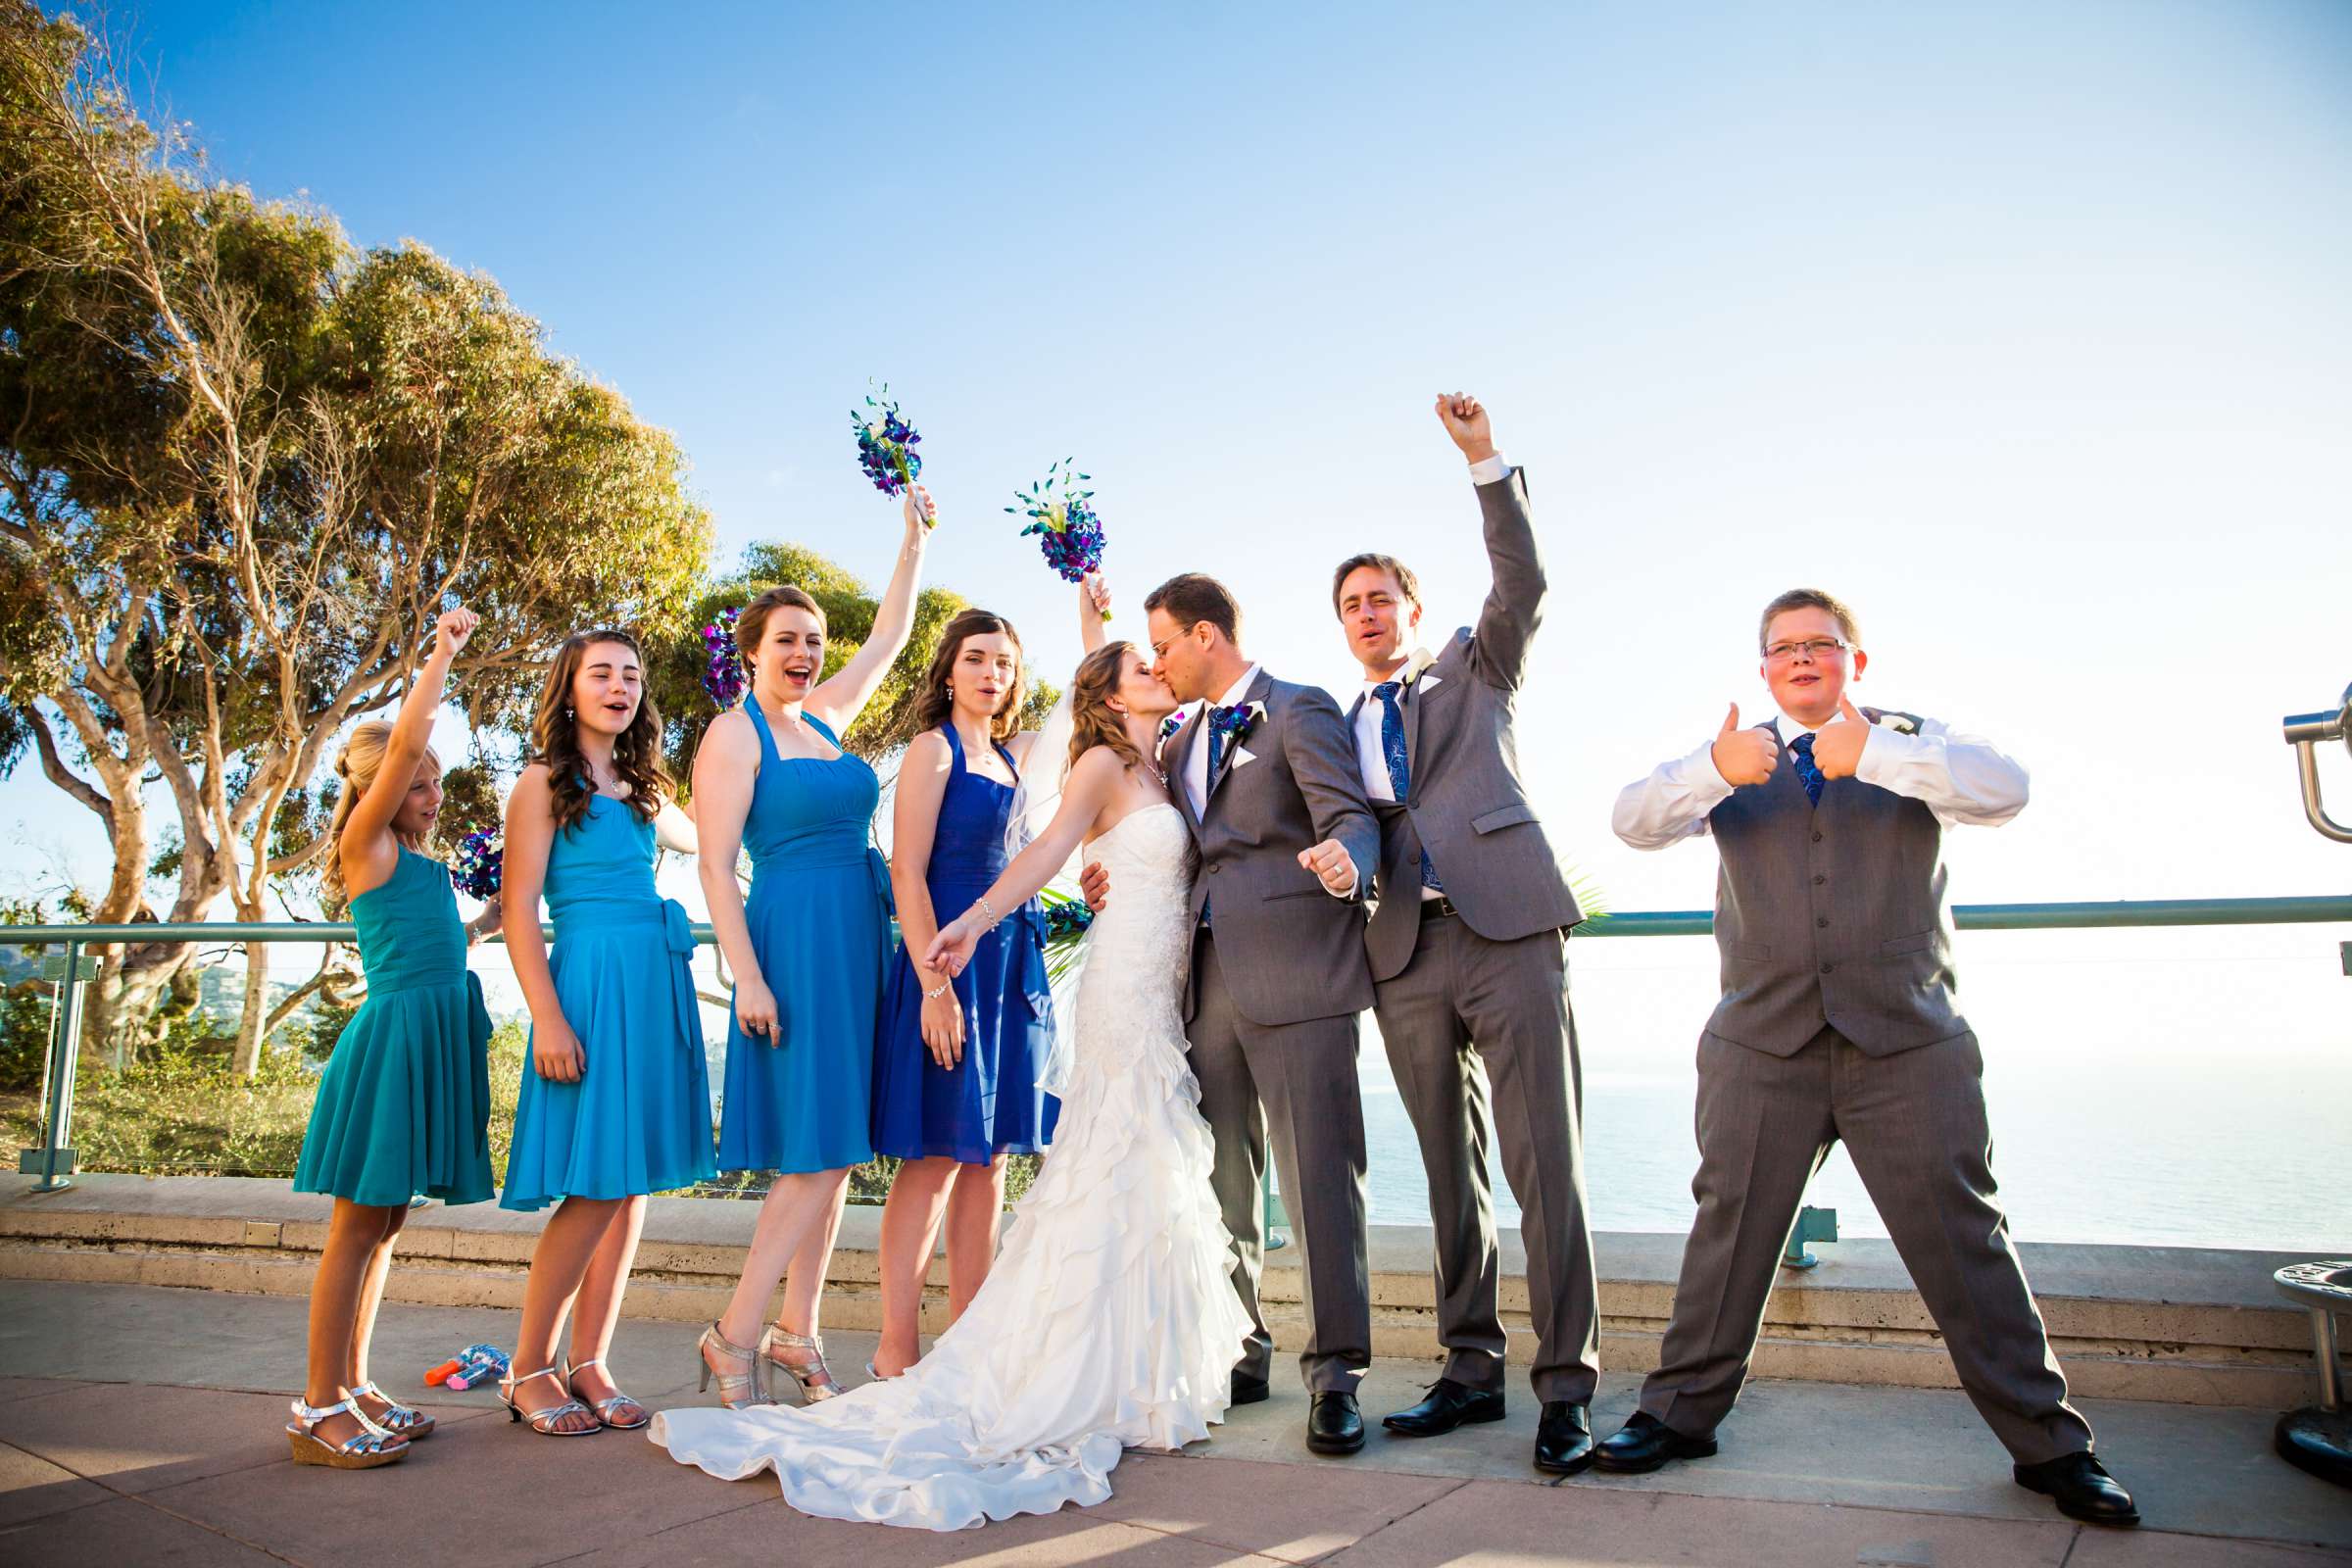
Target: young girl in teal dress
[404, 1104]
[616, 1099]
[806, 948]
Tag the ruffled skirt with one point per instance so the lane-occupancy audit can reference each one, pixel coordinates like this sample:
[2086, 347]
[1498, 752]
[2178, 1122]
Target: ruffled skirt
[1108, 1322]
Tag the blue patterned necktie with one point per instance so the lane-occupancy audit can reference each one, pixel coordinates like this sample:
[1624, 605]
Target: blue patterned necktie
[1808, 771]
[1401, 768]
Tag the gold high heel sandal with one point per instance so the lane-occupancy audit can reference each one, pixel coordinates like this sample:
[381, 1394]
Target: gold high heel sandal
[736, 1390]
[815, 1378]
[365, 1449]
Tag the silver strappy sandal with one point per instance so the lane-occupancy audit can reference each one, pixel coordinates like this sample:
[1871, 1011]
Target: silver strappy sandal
[603, 1408]
[544, 1421]
[736, 1390]
[815, 1379]
[397, 1419]
[365, 1449]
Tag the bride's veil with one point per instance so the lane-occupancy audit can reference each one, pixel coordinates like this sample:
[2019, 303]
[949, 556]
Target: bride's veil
[1035, 800]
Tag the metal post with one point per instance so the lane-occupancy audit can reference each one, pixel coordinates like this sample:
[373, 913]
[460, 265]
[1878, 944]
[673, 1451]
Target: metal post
[2323, 1335]
[57, 1133]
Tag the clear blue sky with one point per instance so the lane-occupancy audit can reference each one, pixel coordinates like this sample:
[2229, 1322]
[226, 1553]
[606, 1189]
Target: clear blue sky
[2025, 328]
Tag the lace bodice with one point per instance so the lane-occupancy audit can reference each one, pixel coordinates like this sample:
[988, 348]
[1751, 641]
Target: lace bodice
[1139, 951]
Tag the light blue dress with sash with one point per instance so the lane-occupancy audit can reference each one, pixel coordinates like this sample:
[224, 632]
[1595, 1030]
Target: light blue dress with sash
[639, 1118]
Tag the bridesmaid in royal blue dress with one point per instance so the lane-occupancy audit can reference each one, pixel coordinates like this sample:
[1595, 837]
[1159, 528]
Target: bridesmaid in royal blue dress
[404, 1103]
[615, 1099]
[957, 1058]
[806, 948]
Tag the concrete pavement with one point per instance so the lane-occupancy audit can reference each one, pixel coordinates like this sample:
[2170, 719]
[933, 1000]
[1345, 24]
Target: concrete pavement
[140, 1425]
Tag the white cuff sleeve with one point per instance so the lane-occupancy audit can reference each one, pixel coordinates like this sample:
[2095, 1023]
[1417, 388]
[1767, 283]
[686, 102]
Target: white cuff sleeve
[1489, 469]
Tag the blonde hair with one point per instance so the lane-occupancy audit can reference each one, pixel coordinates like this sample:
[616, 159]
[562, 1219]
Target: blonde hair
[357, 764]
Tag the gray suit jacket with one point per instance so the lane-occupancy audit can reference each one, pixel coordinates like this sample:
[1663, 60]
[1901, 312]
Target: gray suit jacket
[1288, 949]
[1468, 807]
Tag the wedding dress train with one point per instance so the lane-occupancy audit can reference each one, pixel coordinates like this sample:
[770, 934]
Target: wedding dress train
[1109, 1320]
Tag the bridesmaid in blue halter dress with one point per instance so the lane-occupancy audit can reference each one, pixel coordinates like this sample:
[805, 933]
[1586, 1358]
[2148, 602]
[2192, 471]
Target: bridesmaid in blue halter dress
[616, 1101]
[957, 1058]
[805, 948]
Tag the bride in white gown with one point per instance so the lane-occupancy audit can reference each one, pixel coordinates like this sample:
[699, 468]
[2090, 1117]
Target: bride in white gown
[1108, 1320]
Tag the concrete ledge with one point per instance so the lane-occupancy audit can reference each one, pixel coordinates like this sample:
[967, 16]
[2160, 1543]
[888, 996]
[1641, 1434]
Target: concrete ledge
[2176, 1325]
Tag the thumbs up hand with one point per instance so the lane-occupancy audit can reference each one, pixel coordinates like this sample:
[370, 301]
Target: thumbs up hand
[1744, 755]
[1837, 748]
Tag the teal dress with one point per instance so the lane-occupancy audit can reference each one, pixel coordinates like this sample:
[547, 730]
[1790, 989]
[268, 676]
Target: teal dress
[820, 917]
[405, 1101]
[639, 1118]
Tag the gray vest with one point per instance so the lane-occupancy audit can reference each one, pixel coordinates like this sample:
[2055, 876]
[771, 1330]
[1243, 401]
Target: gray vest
[1831, 914]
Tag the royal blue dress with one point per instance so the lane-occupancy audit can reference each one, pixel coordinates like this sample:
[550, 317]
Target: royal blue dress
[988, 1103]
[820, 918]
[639, 1118]
[404, 1103]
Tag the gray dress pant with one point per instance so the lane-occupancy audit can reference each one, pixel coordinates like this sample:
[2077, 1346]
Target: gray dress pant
[1914, 1123]
[1507, 1002]
[1297, 1081]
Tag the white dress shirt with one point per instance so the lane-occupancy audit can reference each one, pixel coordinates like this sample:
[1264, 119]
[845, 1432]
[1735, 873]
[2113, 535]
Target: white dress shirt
[1371, 760]
[1962, 778]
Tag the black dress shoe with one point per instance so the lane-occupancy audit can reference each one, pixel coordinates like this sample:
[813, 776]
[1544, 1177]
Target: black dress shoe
[1564, 1438]
[2081, 1488]
[1643, 1443]
[1450, 1404]
[1333, 1424]
[1247, 1390]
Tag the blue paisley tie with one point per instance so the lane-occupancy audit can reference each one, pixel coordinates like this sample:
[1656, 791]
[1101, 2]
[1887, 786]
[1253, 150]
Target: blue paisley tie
[1808, 771]
[1400, 771]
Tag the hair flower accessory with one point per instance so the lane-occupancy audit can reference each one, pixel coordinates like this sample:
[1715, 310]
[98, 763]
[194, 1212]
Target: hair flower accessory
[886, 445]
[478, 864]
[1067, 529]
[722, 673]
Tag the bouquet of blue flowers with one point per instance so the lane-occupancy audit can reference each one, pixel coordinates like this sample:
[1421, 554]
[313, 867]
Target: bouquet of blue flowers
[722, 674]
[1067, 529]
[478, 864]
[886, 445]
[1066, 920]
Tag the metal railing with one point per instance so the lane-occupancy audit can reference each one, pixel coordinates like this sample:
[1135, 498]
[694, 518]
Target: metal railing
[2304, 733]
[53, 1159]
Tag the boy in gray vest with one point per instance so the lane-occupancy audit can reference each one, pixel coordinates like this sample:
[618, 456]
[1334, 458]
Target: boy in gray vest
[1836, 1021]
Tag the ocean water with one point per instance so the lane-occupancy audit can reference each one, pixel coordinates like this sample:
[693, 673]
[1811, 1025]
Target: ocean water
[2183, 1088]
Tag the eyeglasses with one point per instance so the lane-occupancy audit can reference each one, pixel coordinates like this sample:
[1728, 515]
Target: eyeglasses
[1814, 649]
[1159, 650]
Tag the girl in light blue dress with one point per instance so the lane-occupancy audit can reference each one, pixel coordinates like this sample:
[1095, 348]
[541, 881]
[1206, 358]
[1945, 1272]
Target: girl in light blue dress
[616, 1099]
[403, 1105]
[805, 947]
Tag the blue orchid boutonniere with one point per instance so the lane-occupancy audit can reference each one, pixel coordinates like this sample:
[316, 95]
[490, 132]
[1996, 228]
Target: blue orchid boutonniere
[1233, 724]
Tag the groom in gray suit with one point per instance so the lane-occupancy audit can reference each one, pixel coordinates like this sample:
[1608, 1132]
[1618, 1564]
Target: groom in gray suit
[1265, 776]
[1469, 952]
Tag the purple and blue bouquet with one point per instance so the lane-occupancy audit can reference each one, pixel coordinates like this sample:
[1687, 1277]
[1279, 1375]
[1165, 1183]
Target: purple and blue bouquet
[479, 863]
[722, 674]
[1067, 529]
[886, 445]
[1066, 921]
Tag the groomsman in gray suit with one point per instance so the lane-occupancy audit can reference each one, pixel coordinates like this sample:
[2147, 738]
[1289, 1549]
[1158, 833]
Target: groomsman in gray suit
[1469, 955]
[1837, 1022]
[1265, 776]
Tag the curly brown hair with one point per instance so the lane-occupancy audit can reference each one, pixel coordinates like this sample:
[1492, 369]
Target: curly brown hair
[1093, 722]
[556, 737]
[934, 702]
